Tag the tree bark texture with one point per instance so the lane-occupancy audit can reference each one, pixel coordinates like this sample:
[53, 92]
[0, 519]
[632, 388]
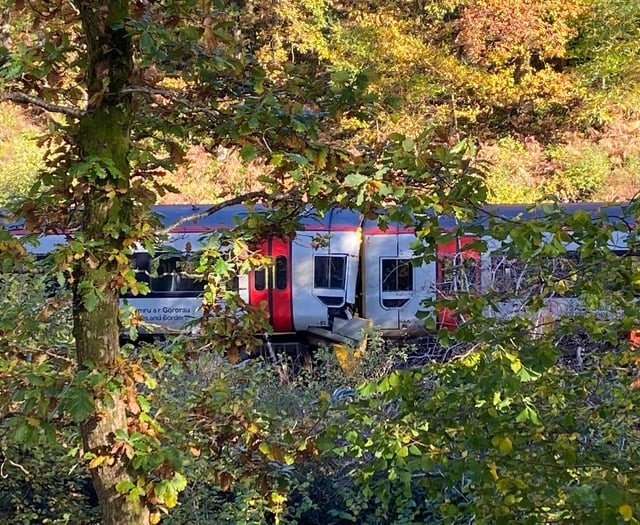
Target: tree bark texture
[104, 133]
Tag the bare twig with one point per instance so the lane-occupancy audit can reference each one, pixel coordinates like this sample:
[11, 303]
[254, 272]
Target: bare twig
[12, 463]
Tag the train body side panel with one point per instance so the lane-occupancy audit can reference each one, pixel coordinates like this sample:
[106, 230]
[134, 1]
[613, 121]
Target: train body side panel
[324, 276]
[174, 300]
[393, 288]
[165, 313]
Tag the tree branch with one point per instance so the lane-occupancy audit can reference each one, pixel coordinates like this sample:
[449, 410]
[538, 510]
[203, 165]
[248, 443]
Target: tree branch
[165, 93]
[23, 98]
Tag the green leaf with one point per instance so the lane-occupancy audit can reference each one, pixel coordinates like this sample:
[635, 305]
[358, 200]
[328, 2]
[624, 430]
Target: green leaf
[340, 77]
[354, 180]
[79, 404]
[505, 446]
[265, 449]
[90, 299]
[298, 159]
[408, 145]
[611, 495]
[368, 388]
[394, 379]
[523, 416]
[147, 43]
[179, 482]
[124, 486]
[415, 451]
[248, 152]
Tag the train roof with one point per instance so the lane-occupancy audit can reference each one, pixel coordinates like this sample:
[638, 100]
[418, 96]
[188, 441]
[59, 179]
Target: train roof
[334, 219]
[194, 218]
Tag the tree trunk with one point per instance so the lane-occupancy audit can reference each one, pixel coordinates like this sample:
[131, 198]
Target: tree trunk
[103, 134]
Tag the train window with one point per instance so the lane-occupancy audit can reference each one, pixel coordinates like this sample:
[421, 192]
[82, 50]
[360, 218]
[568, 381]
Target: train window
[457, 273]
[174, 273]
[260, 279]
[397, 275]
[507, 275]
[140, 262]
[329, 271]
[514, 276]
[281, 272]
[233, 284]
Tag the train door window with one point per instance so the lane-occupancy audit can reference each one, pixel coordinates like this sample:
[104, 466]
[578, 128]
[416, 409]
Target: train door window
[397, 282]
[281, 272]
[260, 279]
[397, 275]
[329, 271]
[175, 273]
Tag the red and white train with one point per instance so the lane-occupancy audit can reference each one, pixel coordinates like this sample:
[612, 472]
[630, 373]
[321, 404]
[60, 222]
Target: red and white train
[312, 288]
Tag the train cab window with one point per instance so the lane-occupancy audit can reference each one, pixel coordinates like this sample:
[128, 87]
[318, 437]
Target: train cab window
[174, 273]
[329, 278]
[260, 279]
[329, 271]
[281, 272]
[397, 275]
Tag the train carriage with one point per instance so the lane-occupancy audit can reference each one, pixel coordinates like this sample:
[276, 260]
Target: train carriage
[337, 266]
[312, 279]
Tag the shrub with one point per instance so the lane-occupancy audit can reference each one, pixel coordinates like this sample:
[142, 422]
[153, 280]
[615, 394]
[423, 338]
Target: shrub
[580, 172]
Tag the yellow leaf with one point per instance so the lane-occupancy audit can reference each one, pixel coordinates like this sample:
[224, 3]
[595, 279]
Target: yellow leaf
[154, 518]
[97, 461]
[265, 449]
[505, 446]
[626, 511]
[493, 469]
[277, 498]
[171, 499]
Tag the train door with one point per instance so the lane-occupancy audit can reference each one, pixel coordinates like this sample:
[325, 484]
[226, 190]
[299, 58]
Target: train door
[272, 285]
[458, 270]
[394, 287]
[380, 303]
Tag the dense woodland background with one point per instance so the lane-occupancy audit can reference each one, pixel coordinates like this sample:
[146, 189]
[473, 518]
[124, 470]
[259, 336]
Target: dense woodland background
[108, 106]
[547, 90]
